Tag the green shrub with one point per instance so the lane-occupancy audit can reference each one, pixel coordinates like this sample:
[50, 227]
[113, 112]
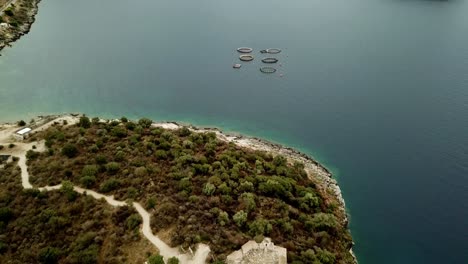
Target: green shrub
[49, 255]
[87, 181]
[119, 132]
[31, 155]
[112, 167]
[223, 218]
[156, 259]
[21, 123]
[209, 189]
[173, 260]
[89, 170]
[109, 185]
[84, 122]
[70, 150]
[9, 12]
[160, 154]
[260, 227]
[6, 214]
[240, 218]
[67, 189]
[133, 221]
[145, 122]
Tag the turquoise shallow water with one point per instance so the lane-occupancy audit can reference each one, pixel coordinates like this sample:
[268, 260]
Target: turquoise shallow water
[376, 90]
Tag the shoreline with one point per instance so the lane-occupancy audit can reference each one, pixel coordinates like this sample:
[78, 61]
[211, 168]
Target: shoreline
[319, 173]
[23, 29]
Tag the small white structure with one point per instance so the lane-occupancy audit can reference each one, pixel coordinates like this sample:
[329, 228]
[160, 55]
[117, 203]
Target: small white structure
[22, 133]
[258, 253]
[4, 25]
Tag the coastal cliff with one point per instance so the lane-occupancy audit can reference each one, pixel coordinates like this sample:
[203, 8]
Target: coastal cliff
[16, 20]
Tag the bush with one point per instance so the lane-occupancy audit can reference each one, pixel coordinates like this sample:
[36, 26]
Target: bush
[260, 227]
[119, 132]
[31, 155]
[112, 167]
[240, 218]
[11, 145]
[124, 119]
[21, 123]
[67, 189]
[145, 122]
[156, 259]
[89, 170]
[70, 150]
[6, 214]
[87, 181]
[223, 218]
[84, 122]
[9, 12]
[109, 185]
[49, 255]
[209, 189]
[173, 260]
[133, 221]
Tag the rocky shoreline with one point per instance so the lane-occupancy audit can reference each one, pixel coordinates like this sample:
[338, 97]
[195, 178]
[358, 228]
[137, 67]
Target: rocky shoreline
[317, 171]
[13, 34]
[321, 175]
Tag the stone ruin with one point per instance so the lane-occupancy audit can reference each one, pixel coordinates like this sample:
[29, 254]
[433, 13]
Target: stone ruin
[258, 253]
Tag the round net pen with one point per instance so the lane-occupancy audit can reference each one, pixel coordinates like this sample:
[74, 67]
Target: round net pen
[268, 70]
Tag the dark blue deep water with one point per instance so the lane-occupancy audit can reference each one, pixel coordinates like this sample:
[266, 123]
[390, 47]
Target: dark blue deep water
[377, 90]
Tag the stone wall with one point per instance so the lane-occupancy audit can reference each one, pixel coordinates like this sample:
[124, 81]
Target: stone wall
[258, 253]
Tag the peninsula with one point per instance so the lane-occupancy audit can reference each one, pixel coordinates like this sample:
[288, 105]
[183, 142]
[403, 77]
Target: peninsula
[169, 192]
[16, 18]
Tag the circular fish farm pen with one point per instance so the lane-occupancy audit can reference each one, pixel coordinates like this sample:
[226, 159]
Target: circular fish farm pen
[270, 60]
[244, 50]
[246, 57]
[268, 70]
[271, 51]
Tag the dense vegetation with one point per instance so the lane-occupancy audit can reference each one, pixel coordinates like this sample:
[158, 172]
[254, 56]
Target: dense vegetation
[198, 188]
[64, 227]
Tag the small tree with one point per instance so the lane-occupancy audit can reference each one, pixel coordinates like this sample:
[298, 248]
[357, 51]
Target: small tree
[209, 189]
[145, 122]
[67, 189]
[223, 218]
[49, 255]
[70, 150]
[21, 123]
[240, 218]
[156, 259]
[173, 260]
[84, 122]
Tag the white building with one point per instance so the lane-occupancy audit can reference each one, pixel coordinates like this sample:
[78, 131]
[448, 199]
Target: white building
[22, 133]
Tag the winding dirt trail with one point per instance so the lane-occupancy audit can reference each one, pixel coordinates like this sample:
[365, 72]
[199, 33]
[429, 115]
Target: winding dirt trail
[165, 250]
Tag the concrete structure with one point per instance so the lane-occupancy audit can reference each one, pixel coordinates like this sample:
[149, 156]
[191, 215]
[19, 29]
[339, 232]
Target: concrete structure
[258, 253]
[22, 133]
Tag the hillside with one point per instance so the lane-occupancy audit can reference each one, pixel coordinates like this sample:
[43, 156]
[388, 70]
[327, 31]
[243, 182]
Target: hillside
[198, 187]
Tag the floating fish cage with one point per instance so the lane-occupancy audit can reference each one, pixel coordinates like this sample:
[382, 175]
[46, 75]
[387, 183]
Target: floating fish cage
[270, 60]
[246, 57]
[244, 50]
[268, 70]
[271, 51]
